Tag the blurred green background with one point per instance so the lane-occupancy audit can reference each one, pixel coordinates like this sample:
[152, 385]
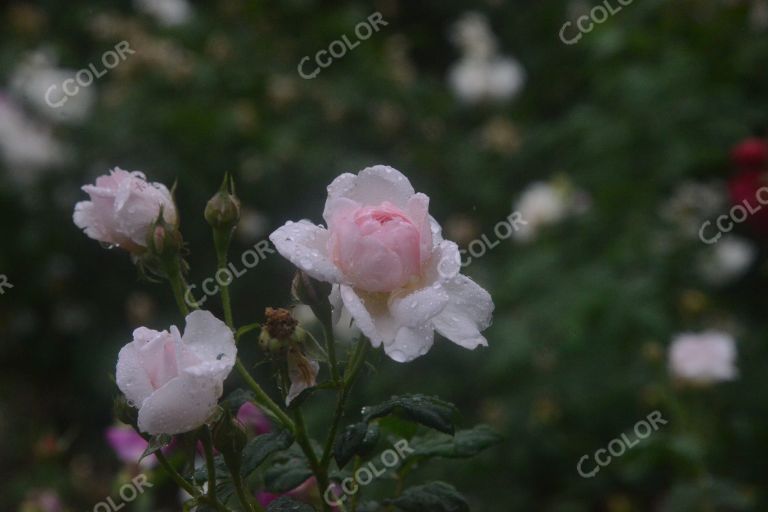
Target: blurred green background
[626, 121]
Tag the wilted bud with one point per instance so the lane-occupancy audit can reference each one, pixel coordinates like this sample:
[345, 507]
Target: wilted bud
[223, 210]
[313, 293]
[280, 330]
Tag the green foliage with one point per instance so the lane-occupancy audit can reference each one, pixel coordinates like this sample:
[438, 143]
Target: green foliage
[286, 504]
[429, 411]
[355, 439]
[431, 497]
[260, 447]
[463, 444]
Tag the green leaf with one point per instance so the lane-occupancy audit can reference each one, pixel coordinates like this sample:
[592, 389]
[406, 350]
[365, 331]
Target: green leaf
[283, 477]
[465, 443]
[355, 439]
[261, 447]
[429, 411]
[156, 443]
[432, 497]
[220, 467]
[236, 399]
[286, 504]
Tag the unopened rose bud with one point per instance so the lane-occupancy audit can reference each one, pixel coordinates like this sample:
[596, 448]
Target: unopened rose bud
[165, 239]
[223, 209]
[313, 293]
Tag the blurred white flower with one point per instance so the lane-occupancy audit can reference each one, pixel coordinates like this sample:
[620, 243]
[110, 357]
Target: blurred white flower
[691, 204]
[27, 148]
[33, 80]
[727, 260]
[252, 226]
[545, 203]
[703, 358]
[169, 13]
[758, 14]
[481, 74]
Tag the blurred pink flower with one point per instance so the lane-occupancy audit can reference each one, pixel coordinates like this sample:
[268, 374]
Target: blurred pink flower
[254, 419]
[128, 445]
[303, 493]
[42, 500]
[123, 208]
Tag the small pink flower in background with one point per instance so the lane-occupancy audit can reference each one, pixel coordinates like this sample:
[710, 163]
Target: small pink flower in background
[42, 500]
[129, 445]
[254, 419]
[175, 381]
[703, 358]
[303, 492]
[123, 208]
[391, 268]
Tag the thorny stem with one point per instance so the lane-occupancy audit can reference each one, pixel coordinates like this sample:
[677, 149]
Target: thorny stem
[263, 399]
[208, 448]
[176, 280]
[330, 347]
[221, 242]
[355, 363]
[175, 476]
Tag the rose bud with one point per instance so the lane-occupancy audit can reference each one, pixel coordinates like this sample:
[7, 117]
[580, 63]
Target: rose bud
[223, 209]
[313, 293]
[123, 210]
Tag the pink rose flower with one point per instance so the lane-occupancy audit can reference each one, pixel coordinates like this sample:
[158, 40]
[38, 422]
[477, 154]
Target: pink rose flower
[703, 358]
[123, 208]
[129, 445]
[391, 268]
[254, 418]
[175, 381]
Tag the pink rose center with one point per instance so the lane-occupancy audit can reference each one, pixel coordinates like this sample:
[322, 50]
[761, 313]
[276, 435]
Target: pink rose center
[377, 247]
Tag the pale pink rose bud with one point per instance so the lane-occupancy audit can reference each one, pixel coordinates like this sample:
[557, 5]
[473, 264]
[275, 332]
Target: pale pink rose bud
[378, 248]
[703, 358]
[175, 381]
[123, 208]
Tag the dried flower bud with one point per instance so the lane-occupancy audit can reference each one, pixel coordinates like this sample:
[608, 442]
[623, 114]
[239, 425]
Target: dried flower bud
[280, 323]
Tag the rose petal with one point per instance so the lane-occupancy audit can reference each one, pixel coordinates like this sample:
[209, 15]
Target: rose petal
[131, 377]
[410, 343]
[467, 313]
[371, 314]
[211, 341]
[305, 245]
[372, 186]
[418, 307]
[181, 405]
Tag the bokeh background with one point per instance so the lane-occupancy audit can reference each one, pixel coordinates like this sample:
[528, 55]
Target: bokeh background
[615, 148]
